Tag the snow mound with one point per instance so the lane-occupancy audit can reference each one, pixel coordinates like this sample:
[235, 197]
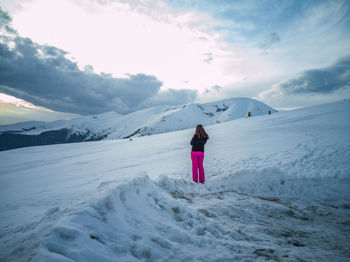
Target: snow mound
[177, 220]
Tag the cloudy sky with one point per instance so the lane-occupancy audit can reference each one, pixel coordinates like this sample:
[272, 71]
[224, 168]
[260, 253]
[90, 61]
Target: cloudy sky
[63, 58]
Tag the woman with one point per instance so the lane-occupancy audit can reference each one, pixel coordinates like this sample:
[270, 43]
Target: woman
[198, 141]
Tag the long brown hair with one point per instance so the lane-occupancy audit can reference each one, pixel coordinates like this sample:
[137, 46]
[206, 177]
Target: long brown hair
[200, 132]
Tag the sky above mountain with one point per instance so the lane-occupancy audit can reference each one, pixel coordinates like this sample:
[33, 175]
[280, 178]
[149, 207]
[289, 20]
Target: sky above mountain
[87, 57]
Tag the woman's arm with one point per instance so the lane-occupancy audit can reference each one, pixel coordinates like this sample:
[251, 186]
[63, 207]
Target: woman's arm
[192, 140]
[205, 141]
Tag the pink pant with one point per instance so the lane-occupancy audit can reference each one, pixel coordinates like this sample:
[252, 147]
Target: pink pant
[197, 164]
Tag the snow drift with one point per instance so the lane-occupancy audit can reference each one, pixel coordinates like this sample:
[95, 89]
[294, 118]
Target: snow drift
[173, 220]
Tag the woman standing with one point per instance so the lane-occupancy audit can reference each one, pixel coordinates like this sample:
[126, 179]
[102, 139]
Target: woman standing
[198, 141]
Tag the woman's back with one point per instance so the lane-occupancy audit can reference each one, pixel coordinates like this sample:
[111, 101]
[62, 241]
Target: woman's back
[198, 143]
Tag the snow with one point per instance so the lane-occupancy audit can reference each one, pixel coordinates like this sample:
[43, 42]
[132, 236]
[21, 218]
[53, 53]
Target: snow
[153, 120]
[277, 188]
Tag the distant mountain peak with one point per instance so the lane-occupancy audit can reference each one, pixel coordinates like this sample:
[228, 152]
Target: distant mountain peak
[111, 125]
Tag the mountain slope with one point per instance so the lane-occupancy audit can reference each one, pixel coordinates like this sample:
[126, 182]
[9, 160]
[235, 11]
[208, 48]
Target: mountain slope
[166, 119]
[113, 126]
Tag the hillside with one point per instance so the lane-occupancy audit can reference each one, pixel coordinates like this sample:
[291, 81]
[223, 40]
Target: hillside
[277, 188]
[111, 125]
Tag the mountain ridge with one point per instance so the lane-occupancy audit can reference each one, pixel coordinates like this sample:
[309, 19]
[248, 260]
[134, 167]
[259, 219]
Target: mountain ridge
[111, 125]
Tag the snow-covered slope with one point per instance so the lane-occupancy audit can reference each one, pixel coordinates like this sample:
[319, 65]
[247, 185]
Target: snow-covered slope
[166, 119]
[277, 189]
[144, 122]
[94, 125]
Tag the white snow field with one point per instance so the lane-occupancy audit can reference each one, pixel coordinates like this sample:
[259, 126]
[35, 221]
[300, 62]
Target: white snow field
[277, 189]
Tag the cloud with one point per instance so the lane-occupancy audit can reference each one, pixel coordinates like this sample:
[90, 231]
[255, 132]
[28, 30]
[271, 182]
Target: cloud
[326, 80]
[332, 81]
[172, 97]
[215, 88]
[44, 76]
[270, 40]
[4, 18]
[208, 57]
[11, 113]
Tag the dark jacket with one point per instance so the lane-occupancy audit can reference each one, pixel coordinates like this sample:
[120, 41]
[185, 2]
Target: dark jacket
[198, 143]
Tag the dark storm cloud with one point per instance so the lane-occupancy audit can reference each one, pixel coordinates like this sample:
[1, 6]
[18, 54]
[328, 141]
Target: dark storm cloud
[324, 80]
[43, 76]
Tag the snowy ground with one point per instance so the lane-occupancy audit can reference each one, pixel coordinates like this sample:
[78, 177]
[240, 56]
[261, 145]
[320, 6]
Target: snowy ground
[277, 189]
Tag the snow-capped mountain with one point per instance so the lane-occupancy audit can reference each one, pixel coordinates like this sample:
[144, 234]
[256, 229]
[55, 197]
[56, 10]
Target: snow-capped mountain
[111, 125]
[164, 119]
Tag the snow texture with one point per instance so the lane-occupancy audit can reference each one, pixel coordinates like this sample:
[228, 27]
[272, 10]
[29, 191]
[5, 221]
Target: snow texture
[150, 121]
[277, 189]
